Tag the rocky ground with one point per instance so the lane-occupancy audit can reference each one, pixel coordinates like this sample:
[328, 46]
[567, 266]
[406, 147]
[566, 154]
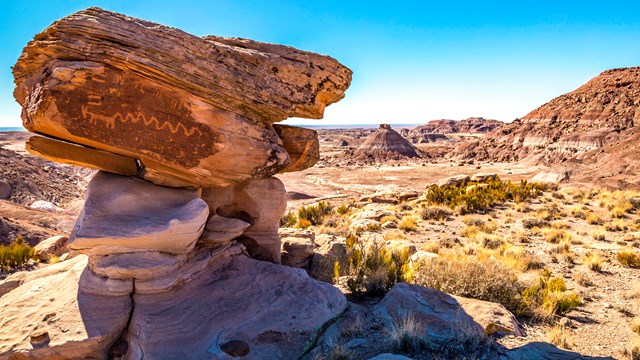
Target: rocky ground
[610, 292]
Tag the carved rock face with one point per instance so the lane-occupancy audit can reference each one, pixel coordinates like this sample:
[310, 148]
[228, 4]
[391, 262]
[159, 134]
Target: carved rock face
[193, 111]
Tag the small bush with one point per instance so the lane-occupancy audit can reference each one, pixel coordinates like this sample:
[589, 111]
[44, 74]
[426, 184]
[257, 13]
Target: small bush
[303, 224]
[491, 241]
[315, 214]
[599, 235]
[373, 268]
[558, 336]
[578, 212]
[439, 213]
[388, 218]
[593, 219]
[485, 279]
[617, 225]
[593, 262]
[635, 326]
[556, 236]
[289, 219]
[16, 255]
[342, 209]
[634, 350]
[530, 223]
[408, 224]
[549, 297]
[629, 258]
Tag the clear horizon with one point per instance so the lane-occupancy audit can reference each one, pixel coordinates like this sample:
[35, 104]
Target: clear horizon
[412, 62]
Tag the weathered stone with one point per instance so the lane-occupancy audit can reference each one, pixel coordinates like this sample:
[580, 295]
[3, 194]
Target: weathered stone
[123, 214]
[325, 257]
[365, 224]
[260, 202]
[276, 310]
[373, 214]
[483, 177]
[301, 144]
[56, 314]
[53, 246]
[5, 190]
[192, 110]
[543, 351]
[388, 356]
[46, 206]
[440, 315]
[220, 230]
[297, 247]
[552, 176]
[139, 266]
[74, 154]
[493, 317]
[456, 180]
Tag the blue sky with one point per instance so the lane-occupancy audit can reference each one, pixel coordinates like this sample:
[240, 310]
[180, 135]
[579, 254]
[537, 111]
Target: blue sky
[412, 61]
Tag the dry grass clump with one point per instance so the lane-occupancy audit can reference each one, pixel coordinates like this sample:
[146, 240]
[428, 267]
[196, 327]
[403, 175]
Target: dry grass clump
[16, 255]
[579, 212]
[550, 297]
[518, 258]
[561, 225]
[629, 258]
[388, 218]
[534, 222]
[582, 280]
[340, 353]
[617, 225]
[523, 207]
[561, 248]
[593, 219]
[634, 349]
[556, 236]
[439, 213]
[490, 241]
[406, 334]
[593, 262]
[559, 336]
[599, 235]
[635, 326]
[467, 276]
[408, 224]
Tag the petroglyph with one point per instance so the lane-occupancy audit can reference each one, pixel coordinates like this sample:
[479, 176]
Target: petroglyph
[94, 118]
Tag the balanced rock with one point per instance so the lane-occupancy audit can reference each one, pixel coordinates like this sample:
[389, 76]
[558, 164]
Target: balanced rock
[190, 110]
[124, 214]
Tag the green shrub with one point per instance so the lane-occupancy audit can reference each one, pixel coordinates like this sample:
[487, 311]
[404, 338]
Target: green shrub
[315, 214]
[549, 297]
[439, 213]
[342, 209]
[373, 268]
[289, 219]
[16, 255]
[474, 197]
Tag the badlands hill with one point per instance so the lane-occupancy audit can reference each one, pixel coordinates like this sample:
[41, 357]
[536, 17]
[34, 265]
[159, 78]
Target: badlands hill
[472, 125]
[591, 131]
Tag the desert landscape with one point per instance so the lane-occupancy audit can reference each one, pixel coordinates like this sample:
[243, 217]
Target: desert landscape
[154, 208]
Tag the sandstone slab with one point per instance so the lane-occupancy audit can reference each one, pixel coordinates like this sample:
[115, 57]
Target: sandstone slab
[123, 214]
[297, 247]
[193, 111]
[220, 230]
[55, 313]
[275, 310]
[53, 246]
[301, 144]
[74, 154]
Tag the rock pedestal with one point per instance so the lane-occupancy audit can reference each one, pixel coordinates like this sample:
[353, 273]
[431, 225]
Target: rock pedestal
[179, 230]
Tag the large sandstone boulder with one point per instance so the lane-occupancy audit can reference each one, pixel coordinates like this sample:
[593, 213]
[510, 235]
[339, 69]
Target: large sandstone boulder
[191, 110]
[297, 247]
[63, 312]
[274, 311]
[259, 202]
[124, 214]
[53, 246]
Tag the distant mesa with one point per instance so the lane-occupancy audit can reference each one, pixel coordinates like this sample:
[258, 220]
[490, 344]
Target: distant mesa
[437, 130]
[385, 144]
